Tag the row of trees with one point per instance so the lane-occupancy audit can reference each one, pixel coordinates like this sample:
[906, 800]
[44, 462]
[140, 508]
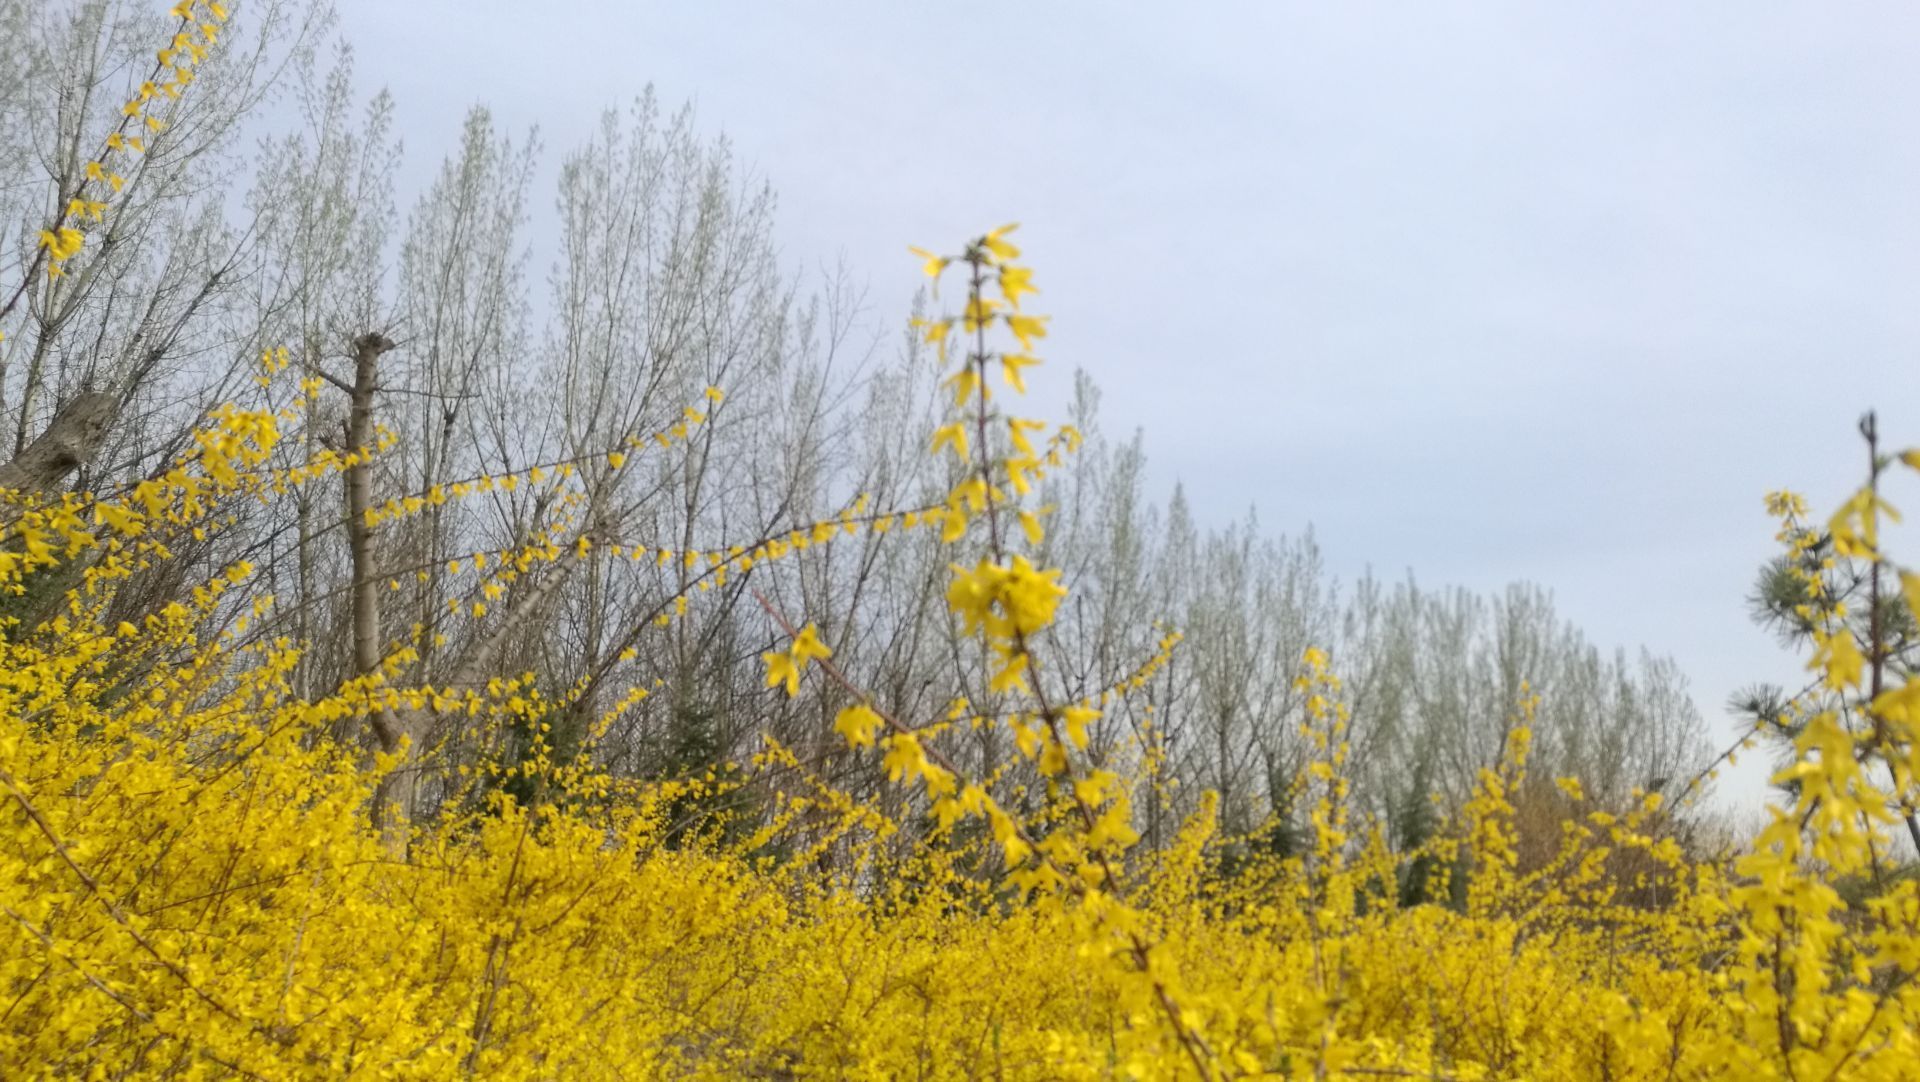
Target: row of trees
[429, 326]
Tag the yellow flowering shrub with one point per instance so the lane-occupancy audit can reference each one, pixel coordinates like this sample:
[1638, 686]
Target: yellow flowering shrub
[199, 878]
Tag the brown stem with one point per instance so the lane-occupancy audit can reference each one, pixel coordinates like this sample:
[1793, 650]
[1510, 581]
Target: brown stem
[1876, 648]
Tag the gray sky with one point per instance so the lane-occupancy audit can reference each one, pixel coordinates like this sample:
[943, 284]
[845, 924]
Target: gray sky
[1488, 291]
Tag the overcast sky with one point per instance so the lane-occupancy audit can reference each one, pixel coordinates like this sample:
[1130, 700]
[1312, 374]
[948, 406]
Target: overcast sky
[1481, 291]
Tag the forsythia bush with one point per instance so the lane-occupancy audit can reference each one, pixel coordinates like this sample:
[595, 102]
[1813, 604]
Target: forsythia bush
[195, 881]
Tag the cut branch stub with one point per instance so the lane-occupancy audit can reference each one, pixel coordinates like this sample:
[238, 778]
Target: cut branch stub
[70, 442]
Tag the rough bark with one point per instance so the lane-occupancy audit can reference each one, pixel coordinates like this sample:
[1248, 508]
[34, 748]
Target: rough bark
[69, 443]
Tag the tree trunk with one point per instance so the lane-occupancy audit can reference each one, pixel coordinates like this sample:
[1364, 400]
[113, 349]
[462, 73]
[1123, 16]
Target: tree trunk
[393, 799]
[69, 443]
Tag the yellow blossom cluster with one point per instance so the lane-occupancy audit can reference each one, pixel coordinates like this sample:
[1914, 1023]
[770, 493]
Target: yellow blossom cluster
[192, 884]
